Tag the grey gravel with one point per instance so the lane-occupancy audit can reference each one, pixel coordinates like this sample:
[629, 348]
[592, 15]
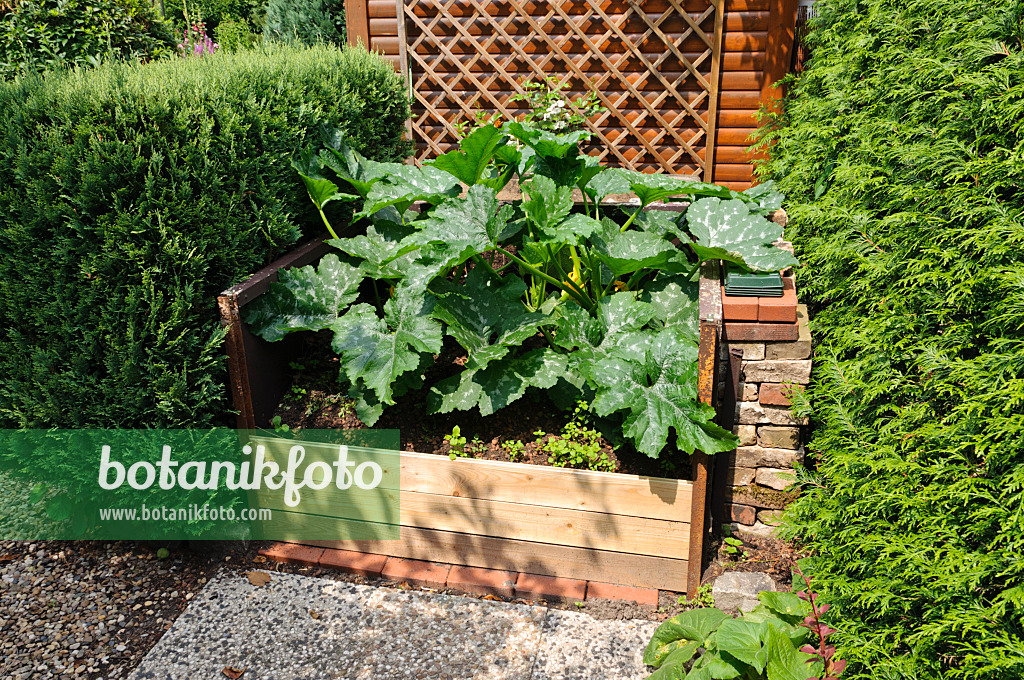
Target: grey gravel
[311, 628]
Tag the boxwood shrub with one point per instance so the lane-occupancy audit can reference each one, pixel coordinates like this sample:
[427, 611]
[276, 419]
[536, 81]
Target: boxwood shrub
[901, 152]
[130, 195]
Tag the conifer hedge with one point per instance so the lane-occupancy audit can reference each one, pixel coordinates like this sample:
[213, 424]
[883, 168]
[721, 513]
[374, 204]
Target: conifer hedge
[901, 153]
[131, 195]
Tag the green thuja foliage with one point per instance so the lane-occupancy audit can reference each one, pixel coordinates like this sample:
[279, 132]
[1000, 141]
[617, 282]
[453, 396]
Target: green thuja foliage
[902, 153]
[131, 195]
[305, 22]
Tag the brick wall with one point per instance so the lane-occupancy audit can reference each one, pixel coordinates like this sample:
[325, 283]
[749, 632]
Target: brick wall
[775, 342]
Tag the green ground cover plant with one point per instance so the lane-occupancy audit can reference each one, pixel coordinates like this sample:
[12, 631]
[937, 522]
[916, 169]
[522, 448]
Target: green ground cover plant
[43, 34]
[900, 153]
[590, 305]
[130, 196]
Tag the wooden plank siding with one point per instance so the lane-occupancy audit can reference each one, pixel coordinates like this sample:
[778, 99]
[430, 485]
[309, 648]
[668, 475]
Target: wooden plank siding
[756, 44]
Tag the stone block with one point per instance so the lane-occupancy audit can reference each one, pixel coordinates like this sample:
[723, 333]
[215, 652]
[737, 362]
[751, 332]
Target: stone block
[738, 590]
[744, 514]
[795, 371]
[750, 392]
[416, 572]
[759, 529]
[752, 351]
[772, 437]
[746, 433]
[353, 562]
[775, 394]
[797, 349]
[756, 456]
[761, 496]
[293, 553]
[769, 517]
[738, 476]
[775, 478]
[780, 309]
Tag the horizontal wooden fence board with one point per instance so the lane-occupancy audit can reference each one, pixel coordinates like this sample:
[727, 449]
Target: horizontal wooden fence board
[734, 172]
[517, 521]
[522, 556]
[612, 493]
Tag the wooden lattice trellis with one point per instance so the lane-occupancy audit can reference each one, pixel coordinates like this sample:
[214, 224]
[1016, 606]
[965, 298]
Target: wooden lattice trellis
[654, 65]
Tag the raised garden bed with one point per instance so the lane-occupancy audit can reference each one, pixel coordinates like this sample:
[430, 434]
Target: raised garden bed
[635, 530]
[471, 303]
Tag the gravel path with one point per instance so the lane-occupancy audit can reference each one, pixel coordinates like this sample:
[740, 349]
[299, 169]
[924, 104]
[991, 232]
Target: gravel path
[312, 628]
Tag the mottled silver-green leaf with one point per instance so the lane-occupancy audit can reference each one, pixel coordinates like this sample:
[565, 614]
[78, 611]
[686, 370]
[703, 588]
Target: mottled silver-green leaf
[674, 300]
[659, 393]
[629, 251]
[546, 203]
[501, 383]
[478, 220]
[351, 167]
[407, 184]
[304, 299]
[377, 351]
[651, 187]
[730, 230]
[381, 250]
[611, 181]
[488, 318]
[616, 328]
[766, 196]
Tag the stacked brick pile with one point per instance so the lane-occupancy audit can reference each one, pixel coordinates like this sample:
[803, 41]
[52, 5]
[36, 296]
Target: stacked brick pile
[775, 340]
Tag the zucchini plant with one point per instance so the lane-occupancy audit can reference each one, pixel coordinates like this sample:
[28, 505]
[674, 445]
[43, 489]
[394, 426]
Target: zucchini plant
[589, 301]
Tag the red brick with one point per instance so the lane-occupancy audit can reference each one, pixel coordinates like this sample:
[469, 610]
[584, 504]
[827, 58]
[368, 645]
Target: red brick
[744, 514]
[610, 591]
[775, 394]
[739, 308]
[415, 572]
[536, 587]
[756, 332]
[353, 562]
[292, 553]
[482, 581]
[781, 309]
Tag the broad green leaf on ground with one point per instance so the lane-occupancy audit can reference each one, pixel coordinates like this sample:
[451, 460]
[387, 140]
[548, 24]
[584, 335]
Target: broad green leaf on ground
[305, 299]
[663, 223]
[785, 662]
[377, 351]
[629, 251]
[487, 317]
[659, 393]
[478, 220]
[406, 184]
[469, 162]
[380, 249]
[673, 667]
[693, 625]
[728, 230]
[745, 641]
[367, 406]
[787, 605]
[720, 668]
[351, 167]
[501, 383]
[674, 300]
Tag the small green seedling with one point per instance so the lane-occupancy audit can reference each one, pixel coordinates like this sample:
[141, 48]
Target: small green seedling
[163, 554]
[731, 545]
[457, 443]
[514, 449]
[704, 598]
[278, 425]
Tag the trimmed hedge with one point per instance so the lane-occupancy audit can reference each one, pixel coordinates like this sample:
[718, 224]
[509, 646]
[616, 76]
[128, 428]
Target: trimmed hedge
[902, 153]
[131, 195]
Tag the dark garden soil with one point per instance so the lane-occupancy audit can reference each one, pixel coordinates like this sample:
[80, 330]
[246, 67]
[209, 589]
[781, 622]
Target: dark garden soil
[319, 400]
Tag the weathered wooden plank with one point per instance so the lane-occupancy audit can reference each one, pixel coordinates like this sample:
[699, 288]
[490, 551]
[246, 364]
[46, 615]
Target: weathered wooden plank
[522, 556]
[612, 493]
[501, 519]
